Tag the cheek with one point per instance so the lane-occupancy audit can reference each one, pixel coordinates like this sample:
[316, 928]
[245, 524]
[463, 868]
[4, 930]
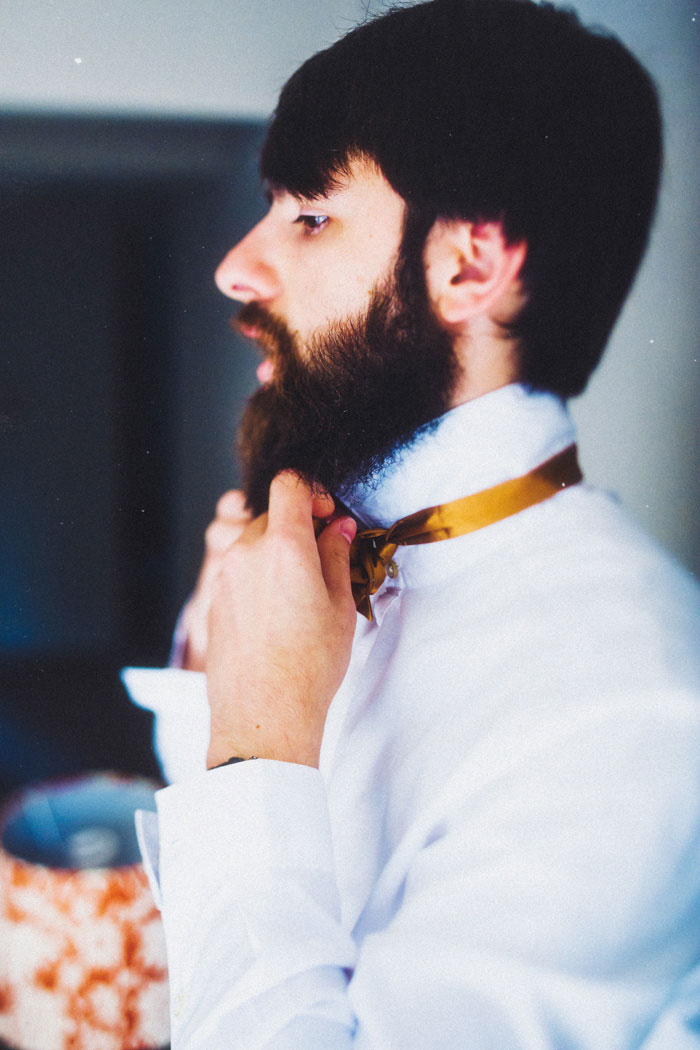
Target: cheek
[332, 295]
[338, 278]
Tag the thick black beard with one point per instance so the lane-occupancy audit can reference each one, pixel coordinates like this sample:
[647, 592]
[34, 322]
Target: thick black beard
[363, 390]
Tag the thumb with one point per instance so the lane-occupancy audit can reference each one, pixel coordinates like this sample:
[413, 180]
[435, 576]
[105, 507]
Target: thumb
[334, 553]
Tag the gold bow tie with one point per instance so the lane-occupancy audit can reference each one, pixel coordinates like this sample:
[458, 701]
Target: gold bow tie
[372, 550]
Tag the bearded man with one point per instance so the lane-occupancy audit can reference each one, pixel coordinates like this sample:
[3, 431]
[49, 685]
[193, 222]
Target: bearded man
[469, 816]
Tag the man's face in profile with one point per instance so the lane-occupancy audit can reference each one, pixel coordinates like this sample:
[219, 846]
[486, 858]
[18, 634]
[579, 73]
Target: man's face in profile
[355, 363]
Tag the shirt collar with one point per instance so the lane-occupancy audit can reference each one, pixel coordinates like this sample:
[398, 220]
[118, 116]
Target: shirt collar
[483, 442]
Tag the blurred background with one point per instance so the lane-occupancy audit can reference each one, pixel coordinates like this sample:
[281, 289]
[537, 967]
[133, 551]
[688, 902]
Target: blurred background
[128, 140]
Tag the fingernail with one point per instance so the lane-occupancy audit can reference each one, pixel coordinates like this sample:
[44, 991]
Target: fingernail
[347, 527]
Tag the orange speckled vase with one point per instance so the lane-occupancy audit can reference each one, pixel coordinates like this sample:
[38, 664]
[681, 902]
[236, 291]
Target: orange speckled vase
[82, 952]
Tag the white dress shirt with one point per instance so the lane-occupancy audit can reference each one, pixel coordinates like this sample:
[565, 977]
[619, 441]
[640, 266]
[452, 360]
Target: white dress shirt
[501, 848]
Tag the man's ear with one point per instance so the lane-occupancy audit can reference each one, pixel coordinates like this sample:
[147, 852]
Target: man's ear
[471, 271]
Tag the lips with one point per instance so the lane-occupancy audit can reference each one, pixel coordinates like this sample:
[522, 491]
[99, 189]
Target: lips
[266, 332]
[266, 368]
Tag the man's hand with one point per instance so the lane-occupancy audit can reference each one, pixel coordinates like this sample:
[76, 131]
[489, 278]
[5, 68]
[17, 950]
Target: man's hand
[231, 518]
[280, 630]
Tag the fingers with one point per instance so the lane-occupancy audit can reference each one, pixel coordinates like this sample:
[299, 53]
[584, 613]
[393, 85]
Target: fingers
[231, 506]
[220, 535]
[322, 505]
[231, 519]
[290, 501]
[334, 552]
[290, 505]
[230, 522]
[291, 497]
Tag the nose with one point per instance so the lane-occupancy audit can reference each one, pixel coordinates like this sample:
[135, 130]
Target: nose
[244, 273]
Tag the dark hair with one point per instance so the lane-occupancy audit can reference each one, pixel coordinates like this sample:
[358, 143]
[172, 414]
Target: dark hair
[495, 110]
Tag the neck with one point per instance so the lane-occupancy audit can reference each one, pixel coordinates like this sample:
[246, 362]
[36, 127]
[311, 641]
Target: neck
[472, 447]
[487, 362]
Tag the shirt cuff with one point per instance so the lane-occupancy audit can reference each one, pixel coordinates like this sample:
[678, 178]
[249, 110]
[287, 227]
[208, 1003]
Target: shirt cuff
[178, 699]
[147, 836]
[253, 819]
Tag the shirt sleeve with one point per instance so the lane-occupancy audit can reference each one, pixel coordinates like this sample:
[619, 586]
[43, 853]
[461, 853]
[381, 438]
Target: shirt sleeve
[555, 904]
[257, 954]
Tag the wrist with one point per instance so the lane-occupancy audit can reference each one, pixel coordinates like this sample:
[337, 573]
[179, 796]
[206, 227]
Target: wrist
[233, 760]
[220, 756]
[220, 752]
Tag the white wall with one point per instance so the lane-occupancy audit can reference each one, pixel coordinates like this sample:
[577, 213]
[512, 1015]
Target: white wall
[204, 57]
[640, 432]
[640, 417]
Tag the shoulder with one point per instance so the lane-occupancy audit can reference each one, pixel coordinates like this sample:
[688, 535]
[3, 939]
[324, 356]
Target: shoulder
[577, 584]
[571, 612]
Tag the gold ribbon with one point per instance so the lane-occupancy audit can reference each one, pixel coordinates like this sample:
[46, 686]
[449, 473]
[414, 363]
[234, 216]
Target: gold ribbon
[372, 550]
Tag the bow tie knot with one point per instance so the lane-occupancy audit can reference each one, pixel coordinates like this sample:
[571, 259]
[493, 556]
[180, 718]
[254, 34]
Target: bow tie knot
[371, 554]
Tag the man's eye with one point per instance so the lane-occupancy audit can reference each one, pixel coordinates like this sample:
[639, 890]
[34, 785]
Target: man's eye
[312, 223]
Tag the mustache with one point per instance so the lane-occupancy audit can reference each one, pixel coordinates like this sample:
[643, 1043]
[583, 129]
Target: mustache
[271, 333]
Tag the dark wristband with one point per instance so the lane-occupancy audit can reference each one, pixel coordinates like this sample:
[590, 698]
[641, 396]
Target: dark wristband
[236, 758]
